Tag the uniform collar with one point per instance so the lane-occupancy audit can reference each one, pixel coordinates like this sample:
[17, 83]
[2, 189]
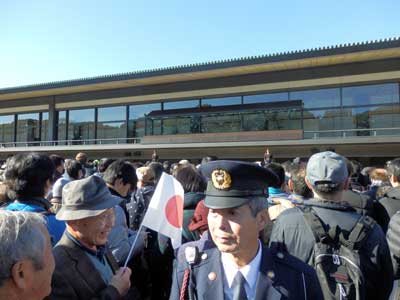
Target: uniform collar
[249, 271]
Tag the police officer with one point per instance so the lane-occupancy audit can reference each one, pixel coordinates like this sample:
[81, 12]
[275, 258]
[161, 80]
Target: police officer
[239, 267]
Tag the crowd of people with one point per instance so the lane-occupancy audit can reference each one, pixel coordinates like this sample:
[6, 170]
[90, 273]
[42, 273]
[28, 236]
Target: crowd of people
[321, 227]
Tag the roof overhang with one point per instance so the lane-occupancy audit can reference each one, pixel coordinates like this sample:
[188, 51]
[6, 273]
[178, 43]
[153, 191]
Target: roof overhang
[194, 74]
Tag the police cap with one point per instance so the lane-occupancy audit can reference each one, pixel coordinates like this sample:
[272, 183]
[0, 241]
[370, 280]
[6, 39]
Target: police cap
[234, 183]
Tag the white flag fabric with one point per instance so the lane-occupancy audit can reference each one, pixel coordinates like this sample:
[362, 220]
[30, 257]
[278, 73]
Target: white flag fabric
[165, 211]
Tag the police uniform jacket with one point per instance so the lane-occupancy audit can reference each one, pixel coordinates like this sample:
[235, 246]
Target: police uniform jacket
[289, 276]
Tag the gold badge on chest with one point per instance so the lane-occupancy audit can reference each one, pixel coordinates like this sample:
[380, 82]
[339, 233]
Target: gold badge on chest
[221, 179]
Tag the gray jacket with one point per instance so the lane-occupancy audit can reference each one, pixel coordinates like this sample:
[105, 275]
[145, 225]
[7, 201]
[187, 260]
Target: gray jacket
[292, 230]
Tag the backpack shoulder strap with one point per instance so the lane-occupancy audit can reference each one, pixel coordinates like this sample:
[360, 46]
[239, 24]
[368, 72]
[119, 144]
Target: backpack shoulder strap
[359, 233]
[316, 225]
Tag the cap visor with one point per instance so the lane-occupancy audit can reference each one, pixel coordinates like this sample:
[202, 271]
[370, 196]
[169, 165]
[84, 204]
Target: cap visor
[222, 202]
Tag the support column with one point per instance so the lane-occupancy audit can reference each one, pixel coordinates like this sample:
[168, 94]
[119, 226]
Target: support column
[52, 120]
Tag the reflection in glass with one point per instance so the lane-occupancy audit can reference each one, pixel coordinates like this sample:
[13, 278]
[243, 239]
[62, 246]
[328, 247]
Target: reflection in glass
[177, 125]
[265, 98]
[221, 101]
[319, 120]
[111, 130]
[7, 129]
[111, 123]
[62, 126]
[81, 125]
[318, 98]
[221, 123]
[117, 113]
[28, 127]
[372, 117]
[137, 121]
[181, 104]
[371, 94]
[272, 120]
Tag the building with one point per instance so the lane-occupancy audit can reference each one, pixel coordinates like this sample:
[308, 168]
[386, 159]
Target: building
[345, 97]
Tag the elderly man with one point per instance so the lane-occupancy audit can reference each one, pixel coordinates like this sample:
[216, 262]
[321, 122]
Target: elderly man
[240, 267]
[85, 269]
[26, 263]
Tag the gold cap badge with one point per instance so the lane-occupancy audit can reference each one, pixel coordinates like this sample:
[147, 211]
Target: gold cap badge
[221, 179]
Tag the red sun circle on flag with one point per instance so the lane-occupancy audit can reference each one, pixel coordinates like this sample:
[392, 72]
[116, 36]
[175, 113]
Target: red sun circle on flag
[174, 211]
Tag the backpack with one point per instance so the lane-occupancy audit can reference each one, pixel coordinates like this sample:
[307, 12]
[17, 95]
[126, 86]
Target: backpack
[337, 259]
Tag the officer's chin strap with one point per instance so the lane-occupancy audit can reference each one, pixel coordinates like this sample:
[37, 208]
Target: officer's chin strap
[192, 256]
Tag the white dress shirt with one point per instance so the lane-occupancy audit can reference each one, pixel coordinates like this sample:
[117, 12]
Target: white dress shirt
[250, 272]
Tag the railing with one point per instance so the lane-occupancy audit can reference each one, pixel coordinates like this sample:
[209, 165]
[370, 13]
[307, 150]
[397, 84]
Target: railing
[348, 133]
[307, 134]
[71, 142]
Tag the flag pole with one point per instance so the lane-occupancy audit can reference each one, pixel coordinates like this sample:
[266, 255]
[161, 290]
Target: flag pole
[133, 245]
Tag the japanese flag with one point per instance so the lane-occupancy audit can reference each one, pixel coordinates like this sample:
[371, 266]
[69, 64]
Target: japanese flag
[165, 211]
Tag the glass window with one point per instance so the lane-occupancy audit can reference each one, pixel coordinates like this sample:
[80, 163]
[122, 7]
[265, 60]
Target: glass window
[111, 130]
[44, 130]
[137, 122]
[318, 98]
[371, 94]
[321, 120]
[366, 118]
[221, 123]
[265, 98]
[82, 115]
[221, 101]
[81, 125]
[117, 113]
[28, 128]
[111, 123]
[7, 129]
[181, 104]
[62, 126]
[177, 125]
[272, 120]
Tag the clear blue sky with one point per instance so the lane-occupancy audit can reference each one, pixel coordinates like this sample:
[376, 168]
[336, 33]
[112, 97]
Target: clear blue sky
[46, 41]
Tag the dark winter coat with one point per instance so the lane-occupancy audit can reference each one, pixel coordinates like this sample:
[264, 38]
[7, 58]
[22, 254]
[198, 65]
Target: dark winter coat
[291, 229]
[190, 202]
[392, 236]
[387, 206]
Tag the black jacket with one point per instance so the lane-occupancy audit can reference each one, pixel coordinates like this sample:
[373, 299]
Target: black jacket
[291, 229]
[393, 240]
[387, 206]
[190, 202]
[138, 205]
[362, 203]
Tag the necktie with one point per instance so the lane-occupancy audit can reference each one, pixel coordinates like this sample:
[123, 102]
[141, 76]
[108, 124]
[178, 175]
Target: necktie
[239, 293]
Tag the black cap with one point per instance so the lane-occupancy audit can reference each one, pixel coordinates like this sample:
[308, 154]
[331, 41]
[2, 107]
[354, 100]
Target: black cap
[233, 183]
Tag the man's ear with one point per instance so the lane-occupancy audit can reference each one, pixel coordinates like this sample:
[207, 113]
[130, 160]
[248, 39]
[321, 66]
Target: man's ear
[20, 274]
[290, 184]
[308, 183]
[262, 219]
[346, 184]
